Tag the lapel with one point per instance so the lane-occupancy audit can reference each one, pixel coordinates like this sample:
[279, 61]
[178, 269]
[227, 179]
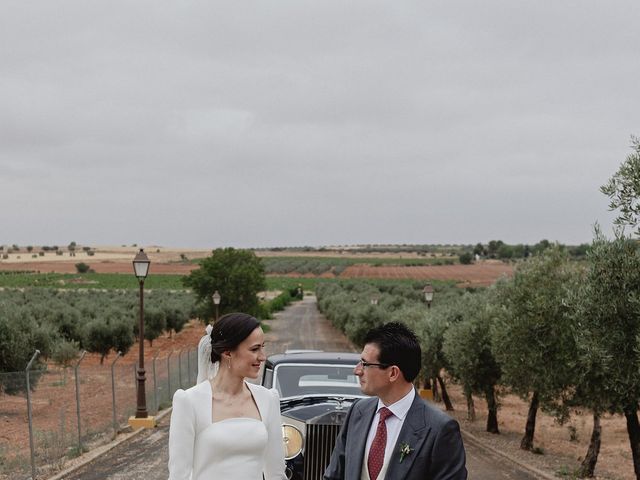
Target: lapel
[363, 416]
[413, 433]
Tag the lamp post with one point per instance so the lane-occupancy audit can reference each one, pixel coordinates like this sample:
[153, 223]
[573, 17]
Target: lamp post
[428, 294]
[142, 419]
[374, 300]
[216, 301]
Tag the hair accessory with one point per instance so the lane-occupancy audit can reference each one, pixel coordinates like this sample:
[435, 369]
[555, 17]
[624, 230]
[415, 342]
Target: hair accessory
[206, 369]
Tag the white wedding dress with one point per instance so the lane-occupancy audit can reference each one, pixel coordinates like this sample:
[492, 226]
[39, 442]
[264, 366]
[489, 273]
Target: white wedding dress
[231, 449]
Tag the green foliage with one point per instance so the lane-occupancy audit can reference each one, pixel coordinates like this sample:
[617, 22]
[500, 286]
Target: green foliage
[279, 303]
[59, 322]
[155, 322]
[348, 304]
[336, 265]
[65, 352]
[607, 309]
[103, 336]
[82, 267]
[466, 258]
[467, 343]
[119, 281]
[623, 190]
[20, 337]
[238, 275]
[177, 313]
[533, 333]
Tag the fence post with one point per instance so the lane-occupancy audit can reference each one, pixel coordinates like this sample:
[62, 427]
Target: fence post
[113, 395]
[169, 374]
[188, 368]
[30, 415]
[180, 367]
[155, 384]
[194, 372]
[78, 401]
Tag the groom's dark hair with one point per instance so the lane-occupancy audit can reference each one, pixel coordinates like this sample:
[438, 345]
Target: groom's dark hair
[398, 346]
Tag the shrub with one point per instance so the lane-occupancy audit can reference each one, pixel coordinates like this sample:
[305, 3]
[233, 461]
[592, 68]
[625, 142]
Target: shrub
[466, 258]
[82, 267]
[65, 352]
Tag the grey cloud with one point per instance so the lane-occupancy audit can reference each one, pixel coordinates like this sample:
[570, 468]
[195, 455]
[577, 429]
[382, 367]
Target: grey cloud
[363, 121]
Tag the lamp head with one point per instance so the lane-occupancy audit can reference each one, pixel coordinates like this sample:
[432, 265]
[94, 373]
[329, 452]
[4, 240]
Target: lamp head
[141, 265]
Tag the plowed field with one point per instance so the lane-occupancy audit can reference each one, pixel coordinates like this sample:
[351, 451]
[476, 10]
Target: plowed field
[483, 273]
[478, 274]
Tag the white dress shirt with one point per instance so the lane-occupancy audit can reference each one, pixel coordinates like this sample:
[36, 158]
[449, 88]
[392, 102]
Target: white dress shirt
[394, 425]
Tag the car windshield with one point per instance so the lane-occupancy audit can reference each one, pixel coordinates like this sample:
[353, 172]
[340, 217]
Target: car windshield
[299, 380]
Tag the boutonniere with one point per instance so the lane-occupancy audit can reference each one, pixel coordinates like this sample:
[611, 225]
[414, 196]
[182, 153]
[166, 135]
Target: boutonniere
[405, 450]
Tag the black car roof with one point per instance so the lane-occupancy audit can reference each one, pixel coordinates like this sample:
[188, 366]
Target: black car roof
[302, 356]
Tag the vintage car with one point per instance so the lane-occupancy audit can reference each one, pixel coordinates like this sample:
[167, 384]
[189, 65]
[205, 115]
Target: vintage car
[316, 390]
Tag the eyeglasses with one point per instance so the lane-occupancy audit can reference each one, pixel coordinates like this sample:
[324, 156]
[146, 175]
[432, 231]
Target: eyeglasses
[364, 365]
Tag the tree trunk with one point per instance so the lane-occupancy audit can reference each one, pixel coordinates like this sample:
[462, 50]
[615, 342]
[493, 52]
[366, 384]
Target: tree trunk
[529, 431]
[471, 407]
[492, 405]
[588, 465]
[436, 393]
[633, 429]
[445, 395]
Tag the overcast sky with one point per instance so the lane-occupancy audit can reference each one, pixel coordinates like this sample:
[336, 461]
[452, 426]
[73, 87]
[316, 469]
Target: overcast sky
[294, 122]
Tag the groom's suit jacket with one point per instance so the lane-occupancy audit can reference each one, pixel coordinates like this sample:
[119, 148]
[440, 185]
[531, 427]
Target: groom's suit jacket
[436, 446]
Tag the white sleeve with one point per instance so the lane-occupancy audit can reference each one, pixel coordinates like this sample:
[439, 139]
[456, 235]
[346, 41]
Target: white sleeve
[274, 465]
[181, 437]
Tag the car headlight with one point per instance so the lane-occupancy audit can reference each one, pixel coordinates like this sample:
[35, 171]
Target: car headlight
[292, 439]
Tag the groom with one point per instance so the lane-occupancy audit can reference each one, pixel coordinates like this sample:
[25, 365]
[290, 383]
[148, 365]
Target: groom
[395, 435]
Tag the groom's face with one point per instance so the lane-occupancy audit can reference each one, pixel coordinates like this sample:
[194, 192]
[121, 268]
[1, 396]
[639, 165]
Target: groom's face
[373, 379]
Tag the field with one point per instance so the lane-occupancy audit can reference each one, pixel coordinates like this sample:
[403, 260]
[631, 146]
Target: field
[114, 271]
[113, 268]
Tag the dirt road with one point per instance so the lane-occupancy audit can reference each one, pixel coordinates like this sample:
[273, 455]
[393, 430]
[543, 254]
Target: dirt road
[301, 326]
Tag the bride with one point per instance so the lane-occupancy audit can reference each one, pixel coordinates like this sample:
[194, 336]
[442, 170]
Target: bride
[224, 427]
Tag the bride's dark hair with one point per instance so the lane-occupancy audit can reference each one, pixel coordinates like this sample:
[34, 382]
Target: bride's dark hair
[229, 332]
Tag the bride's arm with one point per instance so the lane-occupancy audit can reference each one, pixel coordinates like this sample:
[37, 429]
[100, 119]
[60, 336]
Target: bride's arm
[274, 456]
[181, 437]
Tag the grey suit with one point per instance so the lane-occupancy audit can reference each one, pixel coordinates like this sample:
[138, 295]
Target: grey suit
[434, 437]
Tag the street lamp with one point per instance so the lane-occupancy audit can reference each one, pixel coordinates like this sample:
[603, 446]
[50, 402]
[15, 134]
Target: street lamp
[216, 301]
[142, 419]
[374, 300]
[428, 294]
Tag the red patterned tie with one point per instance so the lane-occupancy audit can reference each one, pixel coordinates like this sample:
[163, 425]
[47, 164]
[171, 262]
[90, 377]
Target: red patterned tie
[376, 452]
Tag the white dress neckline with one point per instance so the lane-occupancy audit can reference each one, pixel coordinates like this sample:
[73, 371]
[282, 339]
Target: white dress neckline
[234, 418]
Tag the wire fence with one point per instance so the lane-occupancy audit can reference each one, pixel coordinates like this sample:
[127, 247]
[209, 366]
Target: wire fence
[70, 410]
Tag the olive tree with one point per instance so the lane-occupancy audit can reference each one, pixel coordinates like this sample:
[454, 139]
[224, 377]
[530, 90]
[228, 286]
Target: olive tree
[102, 336]
[532, 335]
[467, 347]
[20, 337]
[431, 332]
[608, 333]
[623, 190]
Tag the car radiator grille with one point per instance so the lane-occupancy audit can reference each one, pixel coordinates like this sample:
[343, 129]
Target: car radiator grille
[318, 447]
